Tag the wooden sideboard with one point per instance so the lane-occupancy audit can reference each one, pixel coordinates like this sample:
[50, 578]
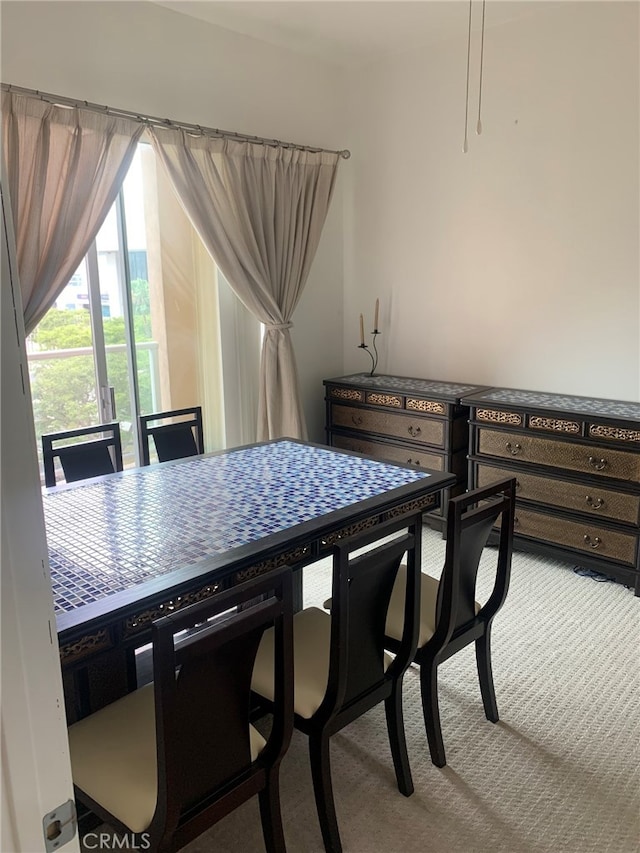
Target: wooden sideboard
[414, 421]
[577, 463]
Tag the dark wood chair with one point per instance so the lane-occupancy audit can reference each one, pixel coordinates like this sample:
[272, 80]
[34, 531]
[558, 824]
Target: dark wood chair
[172, 758]
[450, 616]
[341, 669]
[84, 459]
[175, 440]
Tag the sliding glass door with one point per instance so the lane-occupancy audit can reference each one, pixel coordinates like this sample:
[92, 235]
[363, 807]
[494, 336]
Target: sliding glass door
[93, 357]
[144, 325]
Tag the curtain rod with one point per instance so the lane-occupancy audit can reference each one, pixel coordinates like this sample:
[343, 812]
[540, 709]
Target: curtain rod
[165, 122]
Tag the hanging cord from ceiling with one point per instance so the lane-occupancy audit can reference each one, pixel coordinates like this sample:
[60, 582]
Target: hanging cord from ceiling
[465, 145]
[479, 125]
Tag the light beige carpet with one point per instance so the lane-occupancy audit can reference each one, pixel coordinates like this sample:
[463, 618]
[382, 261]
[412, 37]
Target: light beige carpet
[560, 772]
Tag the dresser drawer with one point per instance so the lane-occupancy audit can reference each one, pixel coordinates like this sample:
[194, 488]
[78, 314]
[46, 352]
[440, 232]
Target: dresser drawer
[408, 427]
[585, 458]
[588, 537]
[586, 498]
[403, 455]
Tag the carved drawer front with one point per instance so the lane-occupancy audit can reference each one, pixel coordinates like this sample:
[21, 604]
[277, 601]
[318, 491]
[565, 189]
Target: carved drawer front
[587, 537]
[404, 455]
[377, 398]
[587, 498]
[586, 458]
[407, 427]
[352, 394]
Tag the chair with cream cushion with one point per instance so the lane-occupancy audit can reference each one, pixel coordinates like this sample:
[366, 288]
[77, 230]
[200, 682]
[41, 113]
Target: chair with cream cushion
[172, 758]
[450, 617]
[341, 669]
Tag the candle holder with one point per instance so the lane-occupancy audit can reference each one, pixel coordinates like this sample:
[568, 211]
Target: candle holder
[372, 355]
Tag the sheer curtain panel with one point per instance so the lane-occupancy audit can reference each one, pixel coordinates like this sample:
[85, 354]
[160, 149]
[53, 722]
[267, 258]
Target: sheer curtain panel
[65, 166]
[259, 210]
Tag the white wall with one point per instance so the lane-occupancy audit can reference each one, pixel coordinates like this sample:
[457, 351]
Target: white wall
[141, 57]
[516, 264]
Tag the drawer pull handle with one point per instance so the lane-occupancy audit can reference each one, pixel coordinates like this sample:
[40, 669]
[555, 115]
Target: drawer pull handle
[516, 521]
[413, 461]
[598, 464]
[357, 420]
[594, 504]
[414, 431]
[513, 449]
[595, 542]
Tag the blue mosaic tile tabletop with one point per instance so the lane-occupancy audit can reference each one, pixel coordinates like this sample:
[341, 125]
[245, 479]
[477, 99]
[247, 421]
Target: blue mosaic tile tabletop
[109, 534]
[407, 385]
[560, 402]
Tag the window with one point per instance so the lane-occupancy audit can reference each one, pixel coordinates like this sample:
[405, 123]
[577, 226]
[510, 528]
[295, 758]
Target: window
[138, 327]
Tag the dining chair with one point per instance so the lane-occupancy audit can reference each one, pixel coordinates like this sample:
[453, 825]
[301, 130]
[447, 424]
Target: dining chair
[173, 440]
[450, 616]
[84, 459]
[167, 761]
[341, 669]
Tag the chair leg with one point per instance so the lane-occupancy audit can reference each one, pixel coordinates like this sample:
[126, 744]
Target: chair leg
[485, 676]
[271, 814]
[323, 791]
[397, 739]
[431, 711]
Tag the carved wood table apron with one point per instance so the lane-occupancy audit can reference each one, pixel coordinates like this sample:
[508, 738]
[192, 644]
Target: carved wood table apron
[129, 547]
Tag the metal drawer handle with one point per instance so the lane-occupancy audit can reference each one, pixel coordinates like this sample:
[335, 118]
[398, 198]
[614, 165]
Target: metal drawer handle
[598, 464]
[413, 461]
[595, 542]
[594, 504]
[516, 521]
[414, 431]
[513, 449]
[357, 420]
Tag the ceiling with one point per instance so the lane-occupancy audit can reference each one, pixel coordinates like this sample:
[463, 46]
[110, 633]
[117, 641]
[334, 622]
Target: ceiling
[349, 32]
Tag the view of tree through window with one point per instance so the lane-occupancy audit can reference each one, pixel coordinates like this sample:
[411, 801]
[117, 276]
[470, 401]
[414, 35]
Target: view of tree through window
[64, 389]
[81, 354]
[136, 329]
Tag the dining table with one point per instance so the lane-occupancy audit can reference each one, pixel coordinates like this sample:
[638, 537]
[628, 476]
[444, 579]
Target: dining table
[130, 547]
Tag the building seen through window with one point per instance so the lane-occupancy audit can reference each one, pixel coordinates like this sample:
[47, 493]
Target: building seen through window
[136, 329]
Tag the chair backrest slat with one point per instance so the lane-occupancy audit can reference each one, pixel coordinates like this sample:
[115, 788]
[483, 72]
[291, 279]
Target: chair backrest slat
[81, 460]
[361, 591]
[211, 704]
[174, 440]
[370, 580]
[470, 520]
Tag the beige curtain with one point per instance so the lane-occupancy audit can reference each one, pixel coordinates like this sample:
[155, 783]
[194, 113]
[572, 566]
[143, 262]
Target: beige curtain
[65, 167]
[260, 211]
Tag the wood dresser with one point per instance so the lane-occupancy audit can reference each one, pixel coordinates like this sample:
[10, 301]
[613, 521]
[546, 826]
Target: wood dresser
[577, 463]
[396, 418]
